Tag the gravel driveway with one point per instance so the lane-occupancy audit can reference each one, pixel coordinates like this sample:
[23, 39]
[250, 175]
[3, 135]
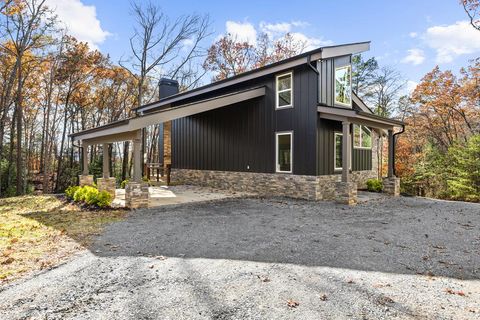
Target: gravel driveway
[405, 258]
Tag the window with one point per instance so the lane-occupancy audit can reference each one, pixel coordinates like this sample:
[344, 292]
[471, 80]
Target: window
[362, 137]
[284, 85]
[343, 86]
[284, 152]
[338, 150]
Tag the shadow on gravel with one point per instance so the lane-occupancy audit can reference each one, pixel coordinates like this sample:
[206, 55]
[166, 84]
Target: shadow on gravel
[404, 235]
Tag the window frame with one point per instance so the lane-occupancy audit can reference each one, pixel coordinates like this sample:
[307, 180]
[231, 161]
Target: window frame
[335, 168]
[277, 167]
[349, 66]
[361, 137]
[277, 92]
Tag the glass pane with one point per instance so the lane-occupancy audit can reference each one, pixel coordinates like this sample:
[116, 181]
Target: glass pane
[338, 151]
[285, 98]
[284, 83]
[284, 150]
[356, 135]
[343, 90]
[366, 137]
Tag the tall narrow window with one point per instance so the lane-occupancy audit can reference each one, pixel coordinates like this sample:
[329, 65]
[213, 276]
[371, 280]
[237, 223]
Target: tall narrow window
[284, 152]
[362, 137]
[338, 150]
[284, 91]
[343, 86]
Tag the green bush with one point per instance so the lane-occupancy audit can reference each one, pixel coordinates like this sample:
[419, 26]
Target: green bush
[103, 199]
[123, 183]
[91, 196]
[70, 191]
[374, 185]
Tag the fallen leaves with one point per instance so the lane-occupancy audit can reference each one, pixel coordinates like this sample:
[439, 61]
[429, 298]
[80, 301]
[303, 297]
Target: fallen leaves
[263, 278]
[323, 297]
[455, 292]
[9, 260]
[292, 303]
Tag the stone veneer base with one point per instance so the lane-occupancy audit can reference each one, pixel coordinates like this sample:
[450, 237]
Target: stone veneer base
[346, 192]
[269, 184]
[136, 195]
[107, 184]
[391, 186]
[85, 180]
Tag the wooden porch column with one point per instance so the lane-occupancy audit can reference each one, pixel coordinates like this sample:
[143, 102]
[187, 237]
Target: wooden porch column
[346, 150]
[106, 161]
[137, 157]
[390, 153]
[85, 159]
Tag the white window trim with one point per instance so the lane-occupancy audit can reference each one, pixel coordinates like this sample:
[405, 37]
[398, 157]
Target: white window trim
[371, 141]
[335, 86]
[277, 92]
[281, 133]
[335, 151]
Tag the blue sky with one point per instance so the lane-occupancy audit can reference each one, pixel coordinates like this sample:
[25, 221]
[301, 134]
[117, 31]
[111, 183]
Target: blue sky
[411, 35]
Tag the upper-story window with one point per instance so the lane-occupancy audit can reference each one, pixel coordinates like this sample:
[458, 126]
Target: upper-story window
[343, 85]
[362, 137]
[284, 91]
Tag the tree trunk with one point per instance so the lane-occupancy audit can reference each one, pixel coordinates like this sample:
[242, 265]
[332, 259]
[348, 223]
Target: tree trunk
[19, 128]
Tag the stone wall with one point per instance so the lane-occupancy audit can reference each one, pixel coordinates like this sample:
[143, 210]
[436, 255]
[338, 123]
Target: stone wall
[136, 195]
[107, 184]
[268, 184]
[85, 180]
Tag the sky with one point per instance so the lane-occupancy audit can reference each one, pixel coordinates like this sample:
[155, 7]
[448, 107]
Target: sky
[412, 36]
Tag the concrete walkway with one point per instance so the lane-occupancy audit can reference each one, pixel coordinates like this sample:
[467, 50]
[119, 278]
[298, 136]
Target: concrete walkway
[163, 195]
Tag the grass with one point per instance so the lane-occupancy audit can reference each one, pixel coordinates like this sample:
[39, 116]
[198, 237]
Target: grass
[38, 232]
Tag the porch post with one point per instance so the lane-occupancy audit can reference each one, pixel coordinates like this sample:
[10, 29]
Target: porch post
[390, 153]
[137, 158]
[85, 159]
[346, 150]
[106, 161]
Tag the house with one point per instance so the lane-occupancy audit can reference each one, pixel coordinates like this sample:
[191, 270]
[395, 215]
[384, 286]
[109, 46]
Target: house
[293, 128]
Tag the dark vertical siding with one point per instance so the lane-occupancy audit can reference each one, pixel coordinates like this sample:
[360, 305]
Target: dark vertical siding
[234, 137]
[326, 87]
[361, 158]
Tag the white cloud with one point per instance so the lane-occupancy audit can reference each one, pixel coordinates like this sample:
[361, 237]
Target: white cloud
[413, 34]
[415, 57]
[310, 43]
[453, 40]
[411, 85]
[80, 20]
[245, 31]
[242, 31]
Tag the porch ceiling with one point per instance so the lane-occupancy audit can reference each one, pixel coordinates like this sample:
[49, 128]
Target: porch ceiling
[125, 129]
[358, 117]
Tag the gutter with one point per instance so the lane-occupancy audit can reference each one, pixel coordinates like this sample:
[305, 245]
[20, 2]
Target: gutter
[394, 144]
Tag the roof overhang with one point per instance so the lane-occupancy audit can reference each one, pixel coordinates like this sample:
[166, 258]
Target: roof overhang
[317, 54]
[358, 117]
[125, 129]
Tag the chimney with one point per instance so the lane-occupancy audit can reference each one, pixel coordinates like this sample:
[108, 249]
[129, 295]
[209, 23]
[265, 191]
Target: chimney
[167, 87]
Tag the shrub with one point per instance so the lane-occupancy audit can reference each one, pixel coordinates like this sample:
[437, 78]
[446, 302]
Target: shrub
[123, 183]
[91, 196]
[104, 199]
[374, 185]
[70, 191]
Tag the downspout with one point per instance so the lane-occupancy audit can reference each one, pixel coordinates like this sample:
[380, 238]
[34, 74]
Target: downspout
[394, 144]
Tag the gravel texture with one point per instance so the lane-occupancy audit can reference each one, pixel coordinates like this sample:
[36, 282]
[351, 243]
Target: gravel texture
[400, 258]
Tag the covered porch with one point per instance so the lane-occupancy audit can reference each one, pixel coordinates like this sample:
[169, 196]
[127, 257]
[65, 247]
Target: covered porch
[346, 189]
[137, 193]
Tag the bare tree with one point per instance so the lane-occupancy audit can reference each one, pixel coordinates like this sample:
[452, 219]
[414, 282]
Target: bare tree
[472, 9]
[161, 46]
[385, 90]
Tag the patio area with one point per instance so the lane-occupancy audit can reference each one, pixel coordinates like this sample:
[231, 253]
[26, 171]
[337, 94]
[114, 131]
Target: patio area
[168, 195]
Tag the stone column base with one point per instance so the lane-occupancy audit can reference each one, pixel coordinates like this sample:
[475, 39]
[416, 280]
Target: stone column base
[391, 186]
[346, 193]
[107, 184]
[85, 180]
[136, 195]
